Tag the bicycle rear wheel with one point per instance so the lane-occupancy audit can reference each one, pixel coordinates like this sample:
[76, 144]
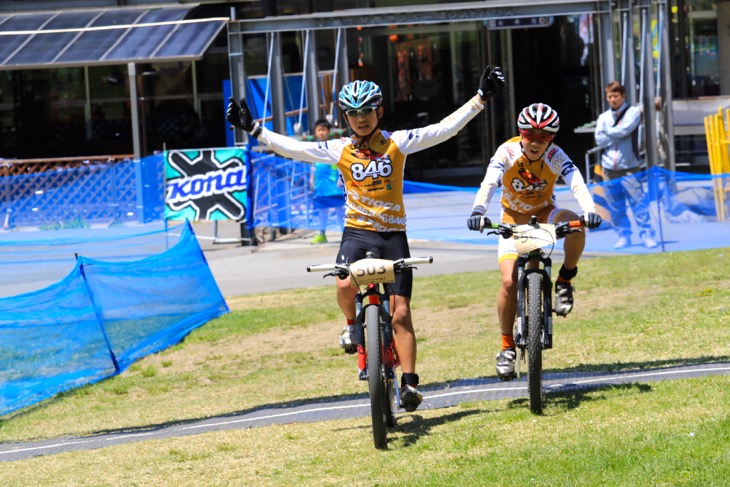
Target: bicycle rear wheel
[534, 341]
[376, 377]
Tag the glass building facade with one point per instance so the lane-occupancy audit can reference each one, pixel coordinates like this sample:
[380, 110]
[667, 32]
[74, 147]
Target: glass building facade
[50, 108]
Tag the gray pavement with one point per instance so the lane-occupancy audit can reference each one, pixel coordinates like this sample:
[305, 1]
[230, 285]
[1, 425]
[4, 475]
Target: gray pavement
[282, 263]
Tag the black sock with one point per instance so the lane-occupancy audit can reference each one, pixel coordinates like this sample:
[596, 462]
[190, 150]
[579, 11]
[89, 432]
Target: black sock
[566, 274]
[410, 379]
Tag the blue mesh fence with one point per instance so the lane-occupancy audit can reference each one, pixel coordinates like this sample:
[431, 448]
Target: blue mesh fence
[93, 192]
[100, 318]
[683, 207]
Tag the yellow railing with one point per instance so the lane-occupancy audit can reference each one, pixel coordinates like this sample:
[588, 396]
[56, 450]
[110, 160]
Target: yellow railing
[717, 132]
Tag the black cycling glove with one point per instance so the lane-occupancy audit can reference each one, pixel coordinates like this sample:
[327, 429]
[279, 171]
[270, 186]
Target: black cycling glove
[477, 221]
[491, 82]
[240, 117]
[593, 220]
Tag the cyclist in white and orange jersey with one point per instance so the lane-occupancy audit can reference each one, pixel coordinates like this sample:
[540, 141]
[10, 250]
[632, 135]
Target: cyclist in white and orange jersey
[526, 168]
[372, 164]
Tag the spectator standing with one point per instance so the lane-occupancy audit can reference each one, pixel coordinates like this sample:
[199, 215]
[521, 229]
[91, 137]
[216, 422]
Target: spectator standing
[327, 186]
[617, 134]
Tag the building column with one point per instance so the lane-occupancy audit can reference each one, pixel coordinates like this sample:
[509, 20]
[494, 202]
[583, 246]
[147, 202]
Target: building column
[723, 45]
[312, 80]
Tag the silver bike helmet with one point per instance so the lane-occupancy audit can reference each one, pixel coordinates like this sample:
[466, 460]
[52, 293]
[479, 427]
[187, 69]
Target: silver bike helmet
[539, 116]
[360, 94]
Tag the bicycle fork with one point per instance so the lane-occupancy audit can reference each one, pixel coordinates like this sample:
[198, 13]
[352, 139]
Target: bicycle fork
[547, 307]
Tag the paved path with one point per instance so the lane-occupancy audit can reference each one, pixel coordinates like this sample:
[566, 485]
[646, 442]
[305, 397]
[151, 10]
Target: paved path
[282, 264]
[440, 396]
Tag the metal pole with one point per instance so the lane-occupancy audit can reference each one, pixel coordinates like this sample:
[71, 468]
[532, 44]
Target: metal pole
[237, 72]
[650, 134]
[312, 76]
[277, 86]
[629, 81]
[134, 109]
[668, 118]
[607, 58]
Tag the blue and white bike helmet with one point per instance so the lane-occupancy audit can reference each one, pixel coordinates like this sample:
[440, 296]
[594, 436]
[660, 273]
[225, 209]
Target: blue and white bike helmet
[539, 116]
[360, 94]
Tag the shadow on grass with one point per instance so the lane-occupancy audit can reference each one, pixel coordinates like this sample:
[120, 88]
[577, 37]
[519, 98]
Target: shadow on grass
[418, 426]
[572, 398]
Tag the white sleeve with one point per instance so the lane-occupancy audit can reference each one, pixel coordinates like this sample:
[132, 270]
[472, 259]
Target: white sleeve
[574, 179]
[410, 141]
[492, 180]
[327, 152]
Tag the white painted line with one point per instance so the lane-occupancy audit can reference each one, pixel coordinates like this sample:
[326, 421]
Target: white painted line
[68, 443]
[646, 374]
[271, 416]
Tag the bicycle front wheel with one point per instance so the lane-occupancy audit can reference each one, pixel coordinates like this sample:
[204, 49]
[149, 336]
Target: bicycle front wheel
[376, 377]
[534, 341]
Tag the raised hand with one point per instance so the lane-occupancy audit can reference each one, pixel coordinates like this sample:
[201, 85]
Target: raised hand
[239, 116]
[491, 82]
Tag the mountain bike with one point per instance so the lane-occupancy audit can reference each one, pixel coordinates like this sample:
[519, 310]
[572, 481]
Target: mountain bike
[534, 323]
[376, 353]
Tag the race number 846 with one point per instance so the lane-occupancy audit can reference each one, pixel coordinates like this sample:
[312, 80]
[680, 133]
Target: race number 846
[375, 169]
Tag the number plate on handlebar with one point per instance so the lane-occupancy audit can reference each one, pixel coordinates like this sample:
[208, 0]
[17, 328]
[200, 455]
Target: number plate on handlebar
[528, 238]
[367, 271]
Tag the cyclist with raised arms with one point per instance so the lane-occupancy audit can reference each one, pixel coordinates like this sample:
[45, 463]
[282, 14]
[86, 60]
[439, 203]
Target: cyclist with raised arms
[526, 168]
[372, 164]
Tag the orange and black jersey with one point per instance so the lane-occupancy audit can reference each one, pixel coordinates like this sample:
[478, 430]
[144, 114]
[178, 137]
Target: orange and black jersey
[373, 171]
[528, 186]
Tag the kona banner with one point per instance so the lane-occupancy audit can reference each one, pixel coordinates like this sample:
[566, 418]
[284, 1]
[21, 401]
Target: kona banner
[206, 184]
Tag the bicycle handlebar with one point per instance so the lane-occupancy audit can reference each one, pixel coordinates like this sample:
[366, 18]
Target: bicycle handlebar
[343, 270]
[507, 230]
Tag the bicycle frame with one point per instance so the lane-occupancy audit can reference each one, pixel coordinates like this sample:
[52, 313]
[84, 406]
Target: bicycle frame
[373, 295]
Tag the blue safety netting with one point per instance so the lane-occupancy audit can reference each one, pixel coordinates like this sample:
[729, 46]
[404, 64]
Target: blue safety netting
[684, 207]
[100, 318]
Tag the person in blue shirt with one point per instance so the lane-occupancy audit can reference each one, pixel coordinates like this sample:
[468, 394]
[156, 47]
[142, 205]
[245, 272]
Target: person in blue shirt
[328, 188]
[617, 134]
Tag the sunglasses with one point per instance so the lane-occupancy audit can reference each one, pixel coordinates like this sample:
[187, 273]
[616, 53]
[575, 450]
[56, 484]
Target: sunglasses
[363, 111]
[540, 138]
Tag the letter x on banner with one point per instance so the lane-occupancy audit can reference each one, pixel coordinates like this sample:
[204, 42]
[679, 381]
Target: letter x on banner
[206, 184]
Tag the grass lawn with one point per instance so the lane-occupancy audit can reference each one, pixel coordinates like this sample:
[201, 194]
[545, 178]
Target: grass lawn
[632, 313]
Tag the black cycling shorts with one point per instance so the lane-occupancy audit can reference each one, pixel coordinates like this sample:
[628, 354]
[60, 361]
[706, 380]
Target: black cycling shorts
[384, 245]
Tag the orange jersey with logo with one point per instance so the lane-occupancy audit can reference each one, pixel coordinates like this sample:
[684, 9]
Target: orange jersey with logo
[373, 173]
[528, 187]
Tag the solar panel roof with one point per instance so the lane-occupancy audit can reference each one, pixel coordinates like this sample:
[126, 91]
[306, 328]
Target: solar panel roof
[105, 36]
